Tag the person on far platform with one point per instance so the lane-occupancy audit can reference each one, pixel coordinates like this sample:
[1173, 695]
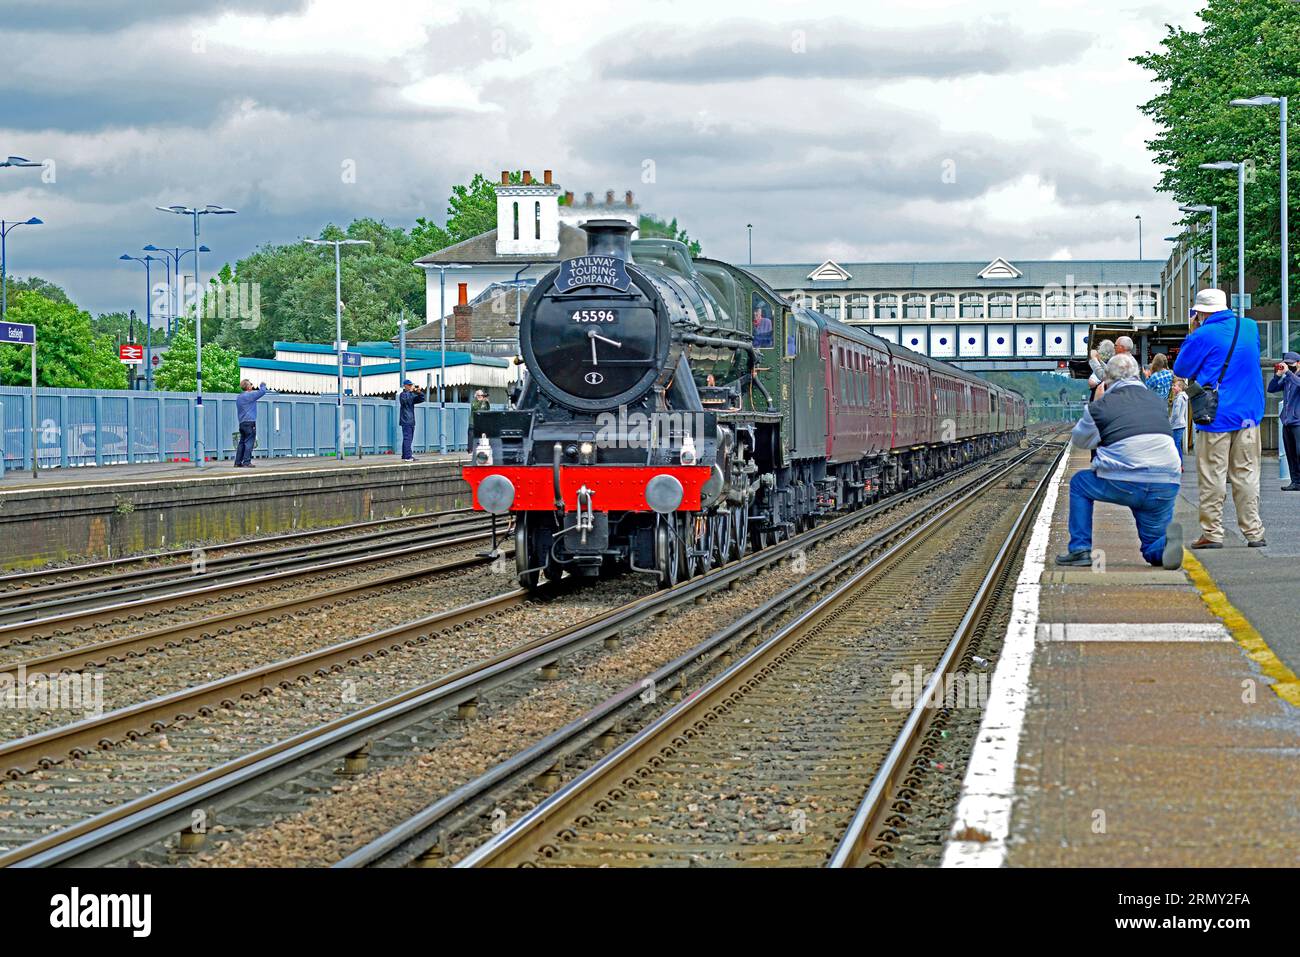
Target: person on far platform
[246, 410]
[1286, 379]
[410, 396]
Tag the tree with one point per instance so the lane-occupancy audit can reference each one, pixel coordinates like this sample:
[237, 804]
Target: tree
[176, 372]
[652, 227]
[472, 209]
[1247, 48]
[69, 353]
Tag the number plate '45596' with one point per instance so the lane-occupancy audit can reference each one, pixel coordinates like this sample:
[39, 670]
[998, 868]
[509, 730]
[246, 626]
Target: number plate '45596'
[594, 316]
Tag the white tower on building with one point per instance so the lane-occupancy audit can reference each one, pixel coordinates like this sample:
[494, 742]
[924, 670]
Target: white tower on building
[528, 217]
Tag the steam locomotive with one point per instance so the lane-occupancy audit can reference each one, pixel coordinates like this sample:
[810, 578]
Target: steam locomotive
[676, 411]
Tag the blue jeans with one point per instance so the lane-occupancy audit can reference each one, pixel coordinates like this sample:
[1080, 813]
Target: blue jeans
[247, 436]
[1152, 505]
[408, 432]
[1178, 442]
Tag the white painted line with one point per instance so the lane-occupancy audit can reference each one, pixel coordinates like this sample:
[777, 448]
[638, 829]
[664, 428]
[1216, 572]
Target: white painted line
[989, 786]
[1162, 631]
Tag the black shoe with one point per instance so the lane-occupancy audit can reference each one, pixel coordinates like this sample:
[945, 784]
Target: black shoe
[1258, 543]
[1080, 558]
[1291, 488]
[1172, 557]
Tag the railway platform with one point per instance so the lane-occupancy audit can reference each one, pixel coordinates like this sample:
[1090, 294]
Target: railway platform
[1142, 717]
[115, 510]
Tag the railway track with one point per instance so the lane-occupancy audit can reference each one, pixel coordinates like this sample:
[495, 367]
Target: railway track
[137, 823]
[14, 586]
[23, 624]
[792, 755]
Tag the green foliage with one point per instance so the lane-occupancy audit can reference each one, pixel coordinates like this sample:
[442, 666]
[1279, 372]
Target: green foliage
[652, 227]
[176, 372]
[472, 209]
[38, 285]
[1246, 48]
[1039, 387]
[69, 353]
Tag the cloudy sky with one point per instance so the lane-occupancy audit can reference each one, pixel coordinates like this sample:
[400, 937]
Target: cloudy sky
[935, 129]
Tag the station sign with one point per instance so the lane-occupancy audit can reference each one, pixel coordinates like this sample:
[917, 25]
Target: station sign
[607, 271]
[130, 353]
[352, 360]
[18, 333]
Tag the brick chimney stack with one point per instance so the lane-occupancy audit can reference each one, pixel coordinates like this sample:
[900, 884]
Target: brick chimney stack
[528, 177]
[505, 177]
[463, 314]
[629, 197]
[609, 197]
[546, 177]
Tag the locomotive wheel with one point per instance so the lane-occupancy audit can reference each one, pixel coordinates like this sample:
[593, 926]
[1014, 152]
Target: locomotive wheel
[690, 562]
[704, 543]
[720, 537]
[740, 530]
[667, 554]
[524, 558]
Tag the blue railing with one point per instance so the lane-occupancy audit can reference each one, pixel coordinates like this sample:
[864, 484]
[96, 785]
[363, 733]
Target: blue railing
[82, 427]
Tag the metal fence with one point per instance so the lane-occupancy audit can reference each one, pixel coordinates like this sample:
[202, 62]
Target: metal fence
[81, 427]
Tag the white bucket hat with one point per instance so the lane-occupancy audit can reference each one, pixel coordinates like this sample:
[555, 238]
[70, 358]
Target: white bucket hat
[1211, 300]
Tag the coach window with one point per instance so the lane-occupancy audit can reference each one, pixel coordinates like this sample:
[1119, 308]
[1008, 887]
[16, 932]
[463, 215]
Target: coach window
[943, 306]
[1058, 306]
[829, 306]
[1144, 305]
[1085, 305]
[858, 308]
[1029, 305]
[972, 306]
[886, 307]
[914, 306]
[1000, 305]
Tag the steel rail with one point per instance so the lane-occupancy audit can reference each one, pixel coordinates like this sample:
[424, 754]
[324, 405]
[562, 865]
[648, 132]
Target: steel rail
[412, 837]
[137, 823]
[37, 574]
[506, 847]
[112, 585]
[188, 632]
[858, 838]
[20, 632]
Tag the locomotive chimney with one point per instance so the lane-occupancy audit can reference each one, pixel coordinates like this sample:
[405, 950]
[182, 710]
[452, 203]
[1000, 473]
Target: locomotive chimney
[546, 177]
[609, 237]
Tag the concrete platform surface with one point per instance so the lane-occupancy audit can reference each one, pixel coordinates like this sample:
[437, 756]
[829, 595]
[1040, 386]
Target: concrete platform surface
[1137, 717]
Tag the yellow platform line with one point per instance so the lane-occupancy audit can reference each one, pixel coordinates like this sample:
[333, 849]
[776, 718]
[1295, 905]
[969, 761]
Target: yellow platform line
[1285, 683]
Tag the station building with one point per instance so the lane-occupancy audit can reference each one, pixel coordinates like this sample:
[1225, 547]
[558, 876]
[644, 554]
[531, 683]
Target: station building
[1026, 314]
[308, 368]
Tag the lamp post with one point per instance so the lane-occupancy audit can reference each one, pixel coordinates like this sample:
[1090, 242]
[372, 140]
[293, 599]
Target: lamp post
[4, 258]
[1139, 219]
[175, 254]
[194, 213]
[338, 335]
[1283, 168]
[1214, 237]
[750, 227]
[1241, 224]
[442, 346]
[148, 314]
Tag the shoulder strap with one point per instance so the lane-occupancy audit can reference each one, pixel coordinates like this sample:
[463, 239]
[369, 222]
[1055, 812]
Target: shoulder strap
[1224, 371]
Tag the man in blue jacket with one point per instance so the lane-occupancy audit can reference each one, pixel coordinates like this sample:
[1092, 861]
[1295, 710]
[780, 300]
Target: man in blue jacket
[1286, 379]
[246, 407]
[407, 399]
[1227, 450]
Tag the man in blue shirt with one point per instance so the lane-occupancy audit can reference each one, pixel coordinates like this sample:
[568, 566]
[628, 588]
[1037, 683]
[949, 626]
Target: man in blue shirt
[1286, 379]
[407, 400]
[1227, 450]
[246, 407]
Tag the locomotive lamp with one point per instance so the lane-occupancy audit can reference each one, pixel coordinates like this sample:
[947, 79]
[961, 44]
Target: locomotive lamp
[587, 453]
